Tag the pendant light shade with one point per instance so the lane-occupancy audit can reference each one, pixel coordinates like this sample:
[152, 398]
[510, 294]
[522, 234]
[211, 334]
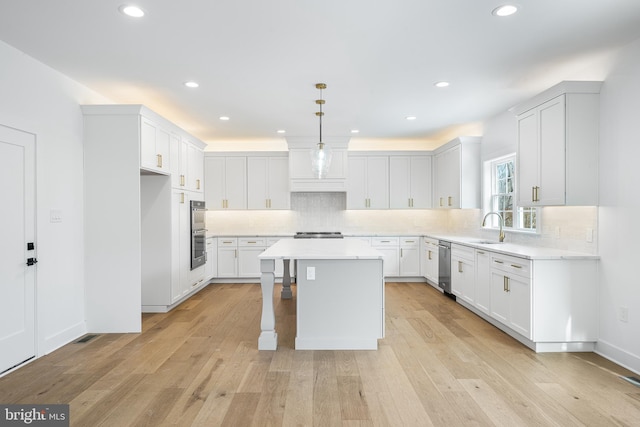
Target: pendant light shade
[321, 154]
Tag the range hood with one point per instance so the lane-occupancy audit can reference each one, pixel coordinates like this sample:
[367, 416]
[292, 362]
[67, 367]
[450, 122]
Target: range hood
[301, 178]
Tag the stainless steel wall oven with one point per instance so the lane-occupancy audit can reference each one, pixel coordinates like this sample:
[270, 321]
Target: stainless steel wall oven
[198, 234]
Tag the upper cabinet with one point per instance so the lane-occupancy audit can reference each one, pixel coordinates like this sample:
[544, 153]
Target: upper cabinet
[155, 147]
[457, 174]
[187, 169]
[368, 182]
[226, 178]
[268, 182]
[410, 182]
[557, 160]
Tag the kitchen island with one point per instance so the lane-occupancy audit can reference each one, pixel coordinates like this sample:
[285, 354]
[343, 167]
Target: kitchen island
[340, 294]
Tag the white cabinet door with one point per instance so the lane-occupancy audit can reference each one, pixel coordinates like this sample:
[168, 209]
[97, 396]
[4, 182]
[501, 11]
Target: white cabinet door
[511, 293]
[430, 260]
[248, 263]
[499, 297]
[268, 183]
[225, 179]
[154, 147]
[211, 267]
[448, 178]
[463, 278]
[368, 183]
[409, 256]
[483, 281]
[409, 182]
[357, 183]
[227, 262]
[542, 154]
[195, 168]
[520, 305]
[391, 265]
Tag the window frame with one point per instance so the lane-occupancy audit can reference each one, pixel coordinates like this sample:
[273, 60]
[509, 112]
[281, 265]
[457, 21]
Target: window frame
[518, 212]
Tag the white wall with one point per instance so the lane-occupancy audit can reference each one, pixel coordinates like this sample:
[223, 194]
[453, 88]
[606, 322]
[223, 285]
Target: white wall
[39, 100]
[619, 231]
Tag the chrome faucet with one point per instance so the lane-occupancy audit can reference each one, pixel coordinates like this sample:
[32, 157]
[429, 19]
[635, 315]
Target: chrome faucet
[501, 222]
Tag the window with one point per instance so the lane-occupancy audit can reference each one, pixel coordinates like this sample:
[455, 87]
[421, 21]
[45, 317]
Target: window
[503, 197]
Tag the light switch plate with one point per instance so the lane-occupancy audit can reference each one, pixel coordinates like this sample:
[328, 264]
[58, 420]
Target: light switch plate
[311, 273]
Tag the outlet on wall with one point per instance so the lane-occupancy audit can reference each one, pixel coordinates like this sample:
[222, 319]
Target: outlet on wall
[623, 314]
[311, 273]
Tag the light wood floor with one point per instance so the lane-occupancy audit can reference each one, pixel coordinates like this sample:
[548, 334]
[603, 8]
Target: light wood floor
[438, 365]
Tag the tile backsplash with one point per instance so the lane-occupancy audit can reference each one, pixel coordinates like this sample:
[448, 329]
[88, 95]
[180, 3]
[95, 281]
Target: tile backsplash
[562, 227]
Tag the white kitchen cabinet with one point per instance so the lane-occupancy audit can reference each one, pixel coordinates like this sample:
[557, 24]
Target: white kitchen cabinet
[226, 178]
[187, 166]
[368, 182]
[211, 267]
[483, 281]
[248, 251]
[138, 201]
[389, 246]
[227, 257]
[155, 147]
[430, 260]
[558, 146]
[511, 293]
[409, 261]
[268, 182]
[457, 174]
[463, 272]
[410, 182]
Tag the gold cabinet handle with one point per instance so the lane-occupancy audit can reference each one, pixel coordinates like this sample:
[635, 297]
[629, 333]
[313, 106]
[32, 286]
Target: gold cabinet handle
[450, 201]
[497, 261]
[197, 184]
[504, 283]
[460, 267]
[441, 201]
[159, 160]
[516, 266]
[480, 252]
[534, 194]
[181, 180]
[508, 284]
[537, 195]
[429, 255]
[182, 198]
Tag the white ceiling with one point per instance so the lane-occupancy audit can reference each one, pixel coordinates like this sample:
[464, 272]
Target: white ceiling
[257, 61]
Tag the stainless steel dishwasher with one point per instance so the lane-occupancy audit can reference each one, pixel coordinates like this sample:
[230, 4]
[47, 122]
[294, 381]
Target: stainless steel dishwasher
[444, 267]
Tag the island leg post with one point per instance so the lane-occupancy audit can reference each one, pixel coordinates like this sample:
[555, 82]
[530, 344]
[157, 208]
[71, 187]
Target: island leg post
[286, 281]
[268, 339]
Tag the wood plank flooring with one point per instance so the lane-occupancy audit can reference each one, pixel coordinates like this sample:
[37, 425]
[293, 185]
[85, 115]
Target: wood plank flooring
[439, 365]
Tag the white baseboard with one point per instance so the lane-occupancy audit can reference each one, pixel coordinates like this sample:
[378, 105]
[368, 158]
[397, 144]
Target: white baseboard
[616, 354]
[61, 338]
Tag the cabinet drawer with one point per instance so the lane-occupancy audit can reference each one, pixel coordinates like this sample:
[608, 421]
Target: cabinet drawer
[384, 241]
[410, 242]
[365, 239]
[428, 242]
[461, 251]
[513, 265]
[251, 241]
[227, 241]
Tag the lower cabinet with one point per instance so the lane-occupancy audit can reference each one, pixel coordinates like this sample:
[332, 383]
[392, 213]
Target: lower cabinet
[248, 251]
[211, 267]
[409, 261]
[463, 272]
[227, 257]
[547, 304]
[389, 246]
[429, 260]
[511, 293]
[483, 281]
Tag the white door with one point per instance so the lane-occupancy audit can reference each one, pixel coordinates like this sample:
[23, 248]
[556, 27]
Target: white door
[17, 227]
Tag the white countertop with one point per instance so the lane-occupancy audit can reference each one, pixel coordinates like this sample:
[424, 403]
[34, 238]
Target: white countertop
[522, 251]
[320, 249]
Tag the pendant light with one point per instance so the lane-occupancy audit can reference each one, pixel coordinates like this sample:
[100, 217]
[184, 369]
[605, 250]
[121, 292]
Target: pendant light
[321, 154]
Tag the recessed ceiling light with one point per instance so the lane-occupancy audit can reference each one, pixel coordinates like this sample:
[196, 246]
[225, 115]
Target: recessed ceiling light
[131, 10]
[355, 131]
[441, 84]
[224, 118]
[505, 10]
[281, 131]
[191, 84]
[411, 117]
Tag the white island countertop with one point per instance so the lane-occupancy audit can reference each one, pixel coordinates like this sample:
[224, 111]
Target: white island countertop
[320, 249]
